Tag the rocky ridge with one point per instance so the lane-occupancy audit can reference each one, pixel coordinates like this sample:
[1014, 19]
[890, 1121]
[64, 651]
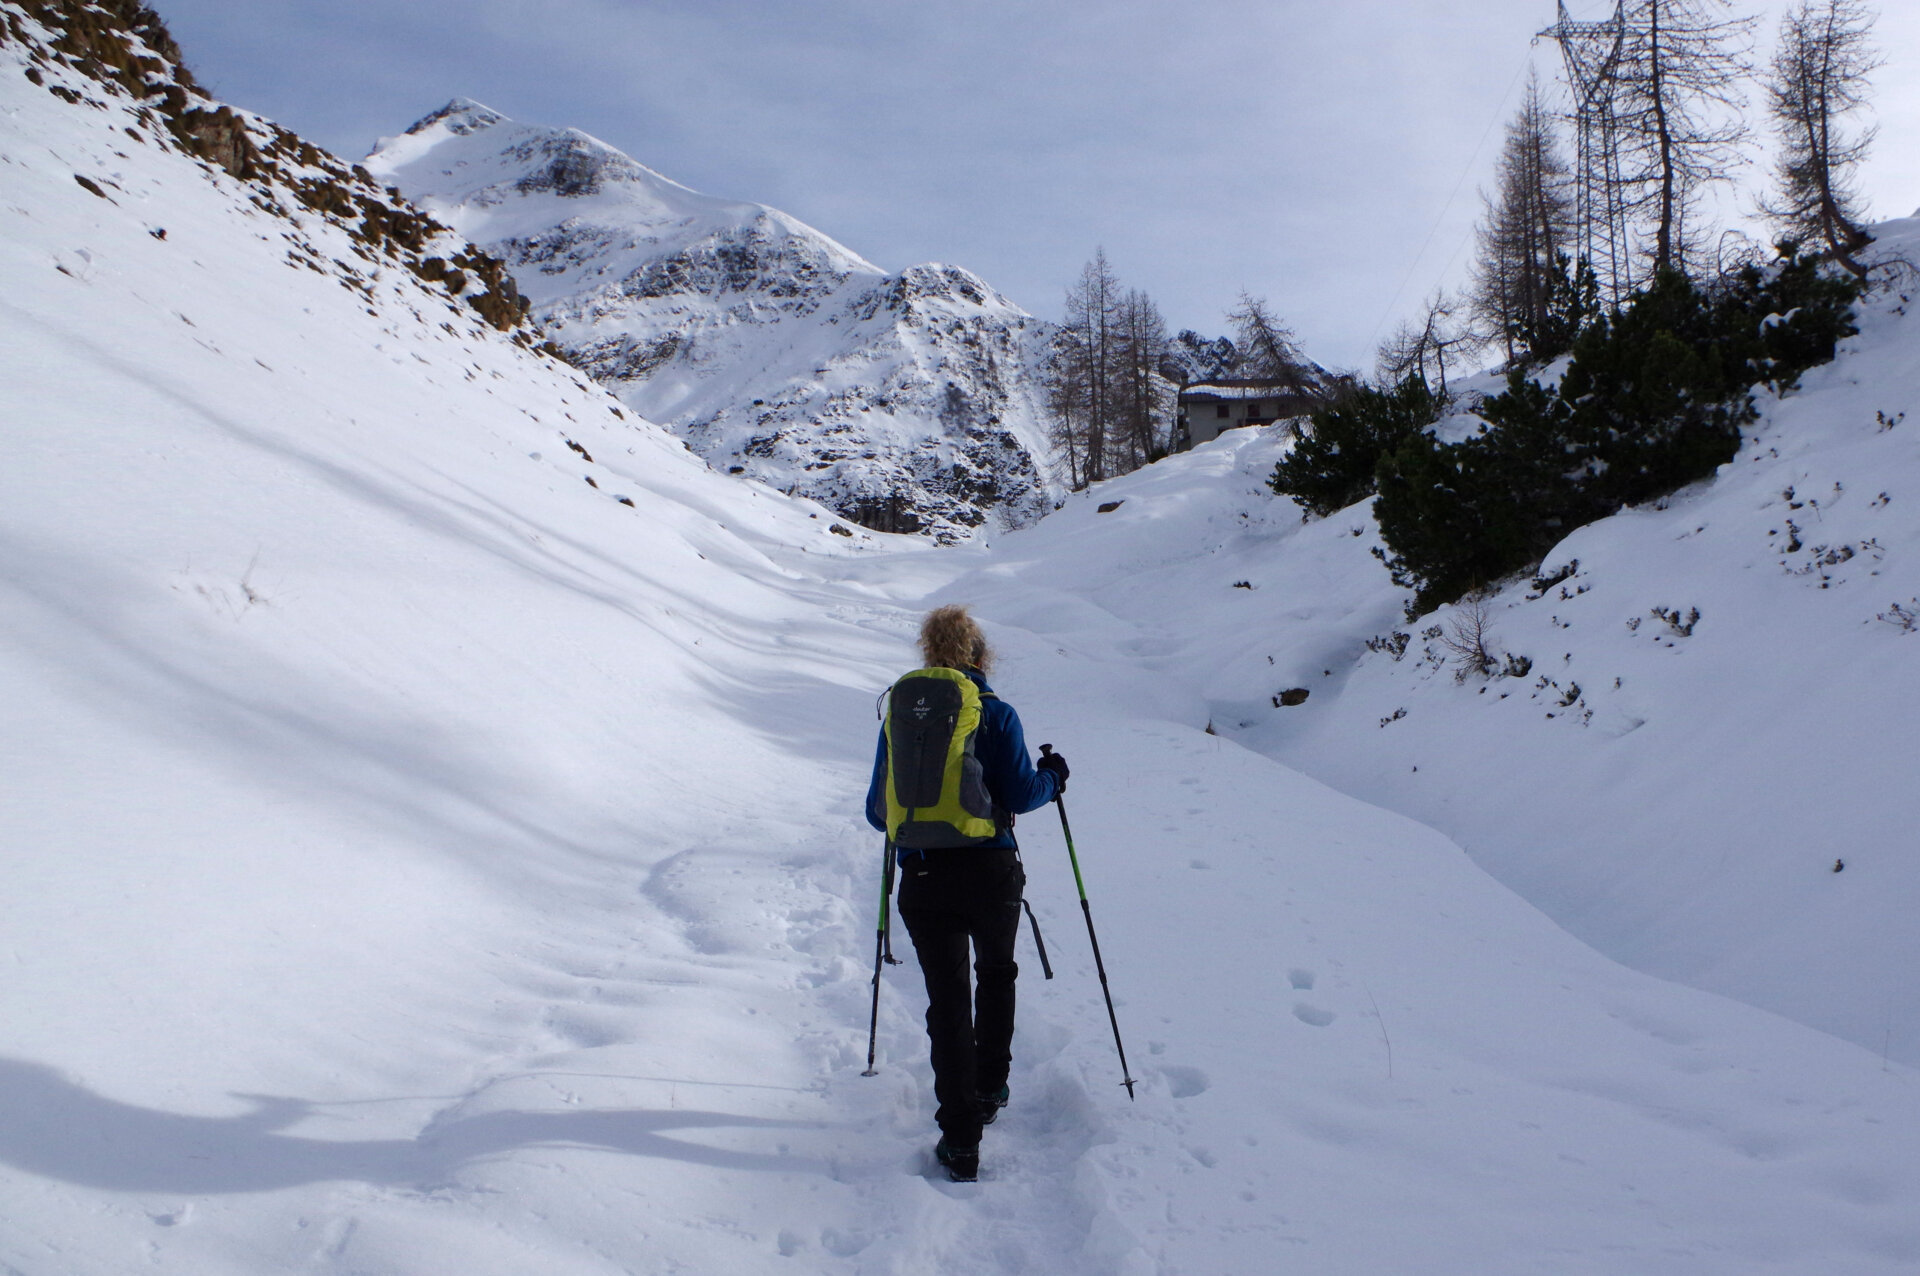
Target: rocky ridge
[1191, 357]
[119, 50]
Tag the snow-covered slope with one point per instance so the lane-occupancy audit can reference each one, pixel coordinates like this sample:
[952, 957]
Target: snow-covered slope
[1708, 770]
[421, 860]
[906, 402]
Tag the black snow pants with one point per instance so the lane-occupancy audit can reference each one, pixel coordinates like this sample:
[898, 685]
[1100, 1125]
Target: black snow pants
[948, 900]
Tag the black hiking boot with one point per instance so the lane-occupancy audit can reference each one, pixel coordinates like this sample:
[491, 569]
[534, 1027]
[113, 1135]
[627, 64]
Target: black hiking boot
[963, 1164]
[990, 1104]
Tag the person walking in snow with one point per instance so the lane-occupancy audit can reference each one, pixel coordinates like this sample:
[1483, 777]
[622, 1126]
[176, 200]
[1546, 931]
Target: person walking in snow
[961, 881]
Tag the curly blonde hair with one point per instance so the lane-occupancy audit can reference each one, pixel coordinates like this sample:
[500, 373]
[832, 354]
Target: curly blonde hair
[950, 638]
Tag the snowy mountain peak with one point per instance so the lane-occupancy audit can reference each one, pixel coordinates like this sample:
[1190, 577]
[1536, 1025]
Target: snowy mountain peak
[479, 169]
[463, 115]
[904, 401]
[935, 281]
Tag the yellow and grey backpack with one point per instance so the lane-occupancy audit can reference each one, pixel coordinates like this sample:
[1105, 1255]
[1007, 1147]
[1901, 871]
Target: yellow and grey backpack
[936, 790]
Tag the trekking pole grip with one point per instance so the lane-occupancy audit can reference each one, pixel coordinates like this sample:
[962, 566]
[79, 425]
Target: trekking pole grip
[1066, 831]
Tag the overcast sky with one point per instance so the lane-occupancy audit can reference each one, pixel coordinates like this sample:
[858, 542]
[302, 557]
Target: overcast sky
[1324, 155]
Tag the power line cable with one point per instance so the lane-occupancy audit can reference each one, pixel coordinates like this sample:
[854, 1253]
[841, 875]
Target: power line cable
[1498, 114]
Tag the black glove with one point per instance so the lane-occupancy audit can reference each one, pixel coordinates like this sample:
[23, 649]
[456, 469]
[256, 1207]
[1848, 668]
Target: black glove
[1058, 766]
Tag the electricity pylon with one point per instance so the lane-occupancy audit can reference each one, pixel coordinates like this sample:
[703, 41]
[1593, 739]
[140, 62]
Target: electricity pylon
[1593, 52]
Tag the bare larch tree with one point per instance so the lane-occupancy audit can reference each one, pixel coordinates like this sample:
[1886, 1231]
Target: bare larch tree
[1679, 86]
[1268, 349]
[1817, 81]
[1142, 396]
[1104, 388]
[1526, 231]
[1421, 346]
[1081, 378]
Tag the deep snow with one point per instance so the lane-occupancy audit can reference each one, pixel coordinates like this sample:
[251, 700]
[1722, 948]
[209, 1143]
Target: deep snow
[421, 861]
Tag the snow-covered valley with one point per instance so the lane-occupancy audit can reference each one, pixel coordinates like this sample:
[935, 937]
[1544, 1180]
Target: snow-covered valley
[430, 804]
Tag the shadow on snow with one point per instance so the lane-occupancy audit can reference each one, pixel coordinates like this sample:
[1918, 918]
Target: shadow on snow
[56, 1129]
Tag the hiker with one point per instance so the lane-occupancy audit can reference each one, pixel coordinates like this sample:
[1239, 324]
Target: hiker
[960, 877]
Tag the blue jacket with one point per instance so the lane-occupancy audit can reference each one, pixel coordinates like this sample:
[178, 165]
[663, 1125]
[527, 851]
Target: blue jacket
[1016, 784]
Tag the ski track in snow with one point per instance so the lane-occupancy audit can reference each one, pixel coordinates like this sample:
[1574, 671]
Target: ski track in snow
[420, 862]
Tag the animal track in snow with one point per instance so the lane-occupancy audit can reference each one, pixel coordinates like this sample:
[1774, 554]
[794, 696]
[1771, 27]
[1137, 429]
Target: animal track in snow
[1302, 980]
[1312, 1014]
[1184, 1082]
[844, 1244]
[584, 1029]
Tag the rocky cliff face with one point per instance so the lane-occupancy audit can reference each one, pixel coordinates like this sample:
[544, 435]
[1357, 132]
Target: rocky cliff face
[1192, 357]
[906, 401]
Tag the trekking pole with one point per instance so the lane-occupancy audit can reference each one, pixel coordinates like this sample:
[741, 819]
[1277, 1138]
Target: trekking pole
[1126, 1073]
[882, 951]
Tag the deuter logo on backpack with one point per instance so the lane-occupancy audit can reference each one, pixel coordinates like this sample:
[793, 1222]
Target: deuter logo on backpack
[936, 790]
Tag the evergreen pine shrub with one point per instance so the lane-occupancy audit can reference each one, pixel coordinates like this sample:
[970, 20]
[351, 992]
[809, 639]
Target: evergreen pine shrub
[1656, 396]
[1458, 517]
[1572, 302]
[1797, 313]
[1653, 399]
[1332, 463]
